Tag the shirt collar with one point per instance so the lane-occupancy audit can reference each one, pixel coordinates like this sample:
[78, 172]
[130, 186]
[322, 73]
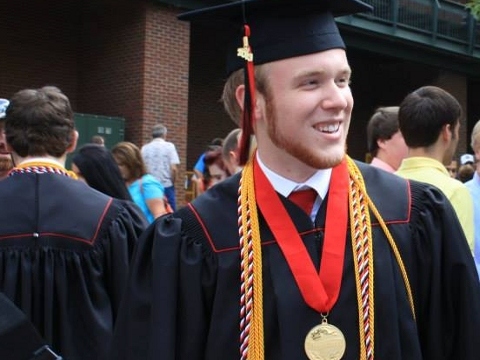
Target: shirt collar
[423, 162]
[319, 181]
[379, 163]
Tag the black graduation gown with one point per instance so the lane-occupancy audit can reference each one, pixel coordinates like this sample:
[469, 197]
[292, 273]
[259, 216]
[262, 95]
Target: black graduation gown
[65, 249]
[183, 296]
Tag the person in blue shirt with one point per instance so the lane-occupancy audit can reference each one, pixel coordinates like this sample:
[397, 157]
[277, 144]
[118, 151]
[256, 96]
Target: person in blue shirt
[474, 188]
[146, 191]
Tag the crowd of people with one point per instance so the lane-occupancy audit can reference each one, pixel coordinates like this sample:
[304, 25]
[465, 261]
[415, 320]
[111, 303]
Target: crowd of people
[291, 250]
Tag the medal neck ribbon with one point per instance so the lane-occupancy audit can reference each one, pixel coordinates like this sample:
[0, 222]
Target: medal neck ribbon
[320, 290]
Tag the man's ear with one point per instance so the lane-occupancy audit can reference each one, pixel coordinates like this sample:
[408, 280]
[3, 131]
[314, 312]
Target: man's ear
[73, 145]
[240, 95]
[233, 157]
[477, 154]
[381, 143]
[446, 132]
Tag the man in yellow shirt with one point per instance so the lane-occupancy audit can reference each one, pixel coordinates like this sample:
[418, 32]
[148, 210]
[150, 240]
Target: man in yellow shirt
[429, 119]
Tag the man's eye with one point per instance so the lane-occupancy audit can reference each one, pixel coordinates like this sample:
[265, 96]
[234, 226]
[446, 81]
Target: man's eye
[310, 83]
[344, 81]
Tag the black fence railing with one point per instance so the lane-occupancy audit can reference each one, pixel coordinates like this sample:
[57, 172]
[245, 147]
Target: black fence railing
[446, 20]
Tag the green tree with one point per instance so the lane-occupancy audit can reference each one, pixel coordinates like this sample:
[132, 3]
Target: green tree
[474, 6]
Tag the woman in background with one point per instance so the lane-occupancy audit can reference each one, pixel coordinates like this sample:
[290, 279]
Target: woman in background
[215, 168]
[146, 191]
[95, 165]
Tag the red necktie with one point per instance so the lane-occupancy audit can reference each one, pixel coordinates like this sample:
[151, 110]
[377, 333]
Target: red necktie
[304, 199]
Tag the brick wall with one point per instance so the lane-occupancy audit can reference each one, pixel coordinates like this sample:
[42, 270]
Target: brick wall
[165, 78]
[111, 54]
[207, 118]
[38, 46]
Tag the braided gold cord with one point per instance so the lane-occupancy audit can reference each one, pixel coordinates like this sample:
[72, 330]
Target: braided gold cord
[361, 237]
[43, 167]
[387, 233]
[245, 281]
[353, 210]
[250, 216]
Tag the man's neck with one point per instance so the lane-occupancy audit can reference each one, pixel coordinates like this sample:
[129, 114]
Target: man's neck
[286, 166]
[384, 157]
[32, 159]
[430, 152]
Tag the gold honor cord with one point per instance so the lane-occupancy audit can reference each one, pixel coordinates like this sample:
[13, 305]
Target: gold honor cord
[43, 167]
[251, 230]
[362, 246]
[357, 177]
[252, 257]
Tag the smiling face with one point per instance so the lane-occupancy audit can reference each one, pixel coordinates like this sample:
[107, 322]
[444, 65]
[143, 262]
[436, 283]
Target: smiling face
[302, 118]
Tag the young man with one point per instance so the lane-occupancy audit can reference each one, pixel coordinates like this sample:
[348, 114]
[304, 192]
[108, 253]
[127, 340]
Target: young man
[5, 158]
[64, 247]
[474, 188]
[429, 119]
[244, 273]
[162, 161]
[385, 141]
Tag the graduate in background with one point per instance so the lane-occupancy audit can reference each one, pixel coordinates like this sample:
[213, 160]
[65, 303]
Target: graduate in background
[305, 254]
[65, 248]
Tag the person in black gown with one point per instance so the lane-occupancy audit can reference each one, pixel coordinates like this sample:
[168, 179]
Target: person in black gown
[65, 248]
[371, 268]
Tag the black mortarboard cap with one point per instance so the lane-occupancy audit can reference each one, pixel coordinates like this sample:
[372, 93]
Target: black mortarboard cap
[279, 28]
[263, 31]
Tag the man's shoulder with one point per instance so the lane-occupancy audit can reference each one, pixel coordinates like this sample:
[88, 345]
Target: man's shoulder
[380, 178]
[214, 216]
[459, 191]
[67, 207]
[171, 147]
[473, 185]
[389, 193]
[150, 144]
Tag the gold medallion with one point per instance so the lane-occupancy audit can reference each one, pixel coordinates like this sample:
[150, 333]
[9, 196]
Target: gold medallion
[325, 342]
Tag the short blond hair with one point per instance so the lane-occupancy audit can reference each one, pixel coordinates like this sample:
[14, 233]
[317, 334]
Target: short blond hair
[236, 79]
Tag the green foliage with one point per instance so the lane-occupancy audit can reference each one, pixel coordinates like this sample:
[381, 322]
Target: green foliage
[474, 7]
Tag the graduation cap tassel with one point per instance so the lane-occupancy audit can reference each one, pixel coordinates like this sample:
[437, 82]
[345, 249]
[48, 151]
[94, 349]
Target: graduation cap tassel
[245, 52]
